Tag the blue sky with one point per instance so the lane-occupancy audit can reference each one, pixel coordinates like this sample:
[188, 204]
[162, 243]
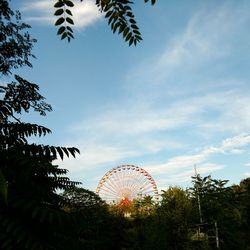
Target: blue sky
[179, 98]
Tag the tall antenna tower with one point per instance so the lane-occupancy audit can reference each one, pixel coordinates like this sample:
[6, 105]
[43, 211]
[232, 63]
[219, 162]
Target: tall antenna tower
[198, 196]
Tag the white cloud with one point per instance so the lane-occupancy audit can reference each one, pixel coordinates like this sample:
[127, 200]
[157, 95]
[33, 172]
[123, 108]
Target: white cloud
[94, 156]
[44, 5]
[84, 13]
[154, 146]
[131, 120]
[183, 162]
[235, 142]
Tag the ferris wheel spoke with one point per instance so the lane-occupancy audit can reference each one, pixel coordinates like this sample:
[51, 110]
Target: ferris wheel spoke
[112, 184]
[146, 187]
[127, 181]
[107, 190]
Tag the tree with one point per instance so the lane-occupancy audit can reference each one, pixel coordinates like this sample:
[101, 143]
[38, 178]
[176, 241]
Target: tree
[242, 196]
[165, 225]
[174, 215]
[80, 199]
[15, 42]
[97, 226]
[219, 205]
[118, 13]
[31, 214]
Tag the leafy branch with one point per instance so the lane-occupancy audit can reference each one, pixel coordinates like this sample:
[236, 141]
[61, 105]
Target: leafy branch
[118, 13]
[64, 21]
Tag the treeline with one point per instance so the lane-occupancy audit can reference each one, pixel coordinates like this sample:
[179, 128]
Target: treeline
[209, 215]
[178, 223]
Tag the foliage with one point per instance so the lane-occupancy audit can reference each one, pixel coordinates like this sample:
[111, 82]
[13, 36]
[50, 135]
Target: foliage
[96, 227]
[219, 205]
[174, 217]
[242, 194]
[118, 13]
[173, 223]
[143, 206]
[31, 214]
[212, 194]
[80, 199]
[15, 42]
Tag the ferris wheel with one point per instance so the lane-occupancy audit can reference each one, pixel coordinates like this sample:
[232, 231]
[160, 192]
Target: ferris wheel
[126, 182]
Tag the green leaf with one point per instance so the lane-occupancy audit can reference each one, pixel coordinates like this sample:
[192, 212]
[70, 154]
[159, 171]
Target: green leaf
[134, 27]
[68, 3]
[109, 13]
[138, 38]
[70, 35]
[69, 20]
[60, 30]
[58, 12]
[73, 151]
[125, 32]
[65, 151]
[59, 150]
[116, 26]
[128, 36]
[59, 4]
[131, 41]
[132, 20]
[130, 14]
[121, 29]
[137, 32]
[69, 12]
[107, 6]
[59, 21]
[64, 35]
[69, 28]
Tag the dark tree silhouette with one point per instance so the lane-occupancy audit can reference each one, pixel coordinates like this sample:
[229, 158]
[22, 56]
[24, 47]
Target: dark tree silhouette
[31, 214]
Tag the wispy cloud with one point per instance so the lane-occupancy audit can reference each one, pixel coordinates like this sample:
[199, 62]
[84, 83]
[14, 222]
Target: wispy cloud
[136, 121]
[212, 112]
[95, 156]
[209, 36]
[228, 146]
[84, 13]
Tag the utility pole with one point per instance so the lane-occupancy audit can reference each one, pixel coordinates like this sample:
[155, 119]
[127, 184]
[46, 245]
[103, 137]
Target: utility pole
[198, 196]
[199, 204]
